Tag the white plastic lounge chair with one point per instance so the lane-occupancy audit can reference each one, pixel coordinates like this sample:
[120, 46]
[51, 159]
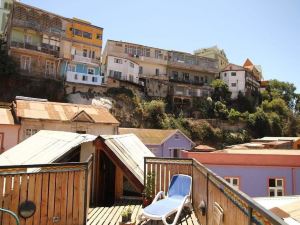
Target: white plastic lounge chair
[178, 197]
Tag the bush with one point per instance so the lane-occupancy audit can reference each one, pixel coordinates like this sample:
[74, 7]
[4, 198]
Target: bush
[234, 115]
[221, 110]
[118, 91]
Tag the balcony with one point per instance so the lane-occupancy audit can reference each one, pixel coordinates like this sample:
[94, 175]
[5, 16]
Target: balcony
[45, 48]
[84, 59]
[60, 194]
[34, 25]
[83, 78]
[205, 67]
[187, 81]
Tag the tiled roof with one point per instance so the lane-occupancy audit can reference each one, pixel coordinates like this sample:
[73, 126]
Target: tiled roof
[260, 151]
[6, 117]
[62, 111]
[149, 136]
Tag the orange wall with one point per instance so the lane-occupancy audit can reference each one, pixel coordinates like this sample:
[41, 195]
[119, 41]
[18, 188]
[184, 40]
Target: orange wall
[86, 28]
[296, 143]
[243, 159]
[11, 135]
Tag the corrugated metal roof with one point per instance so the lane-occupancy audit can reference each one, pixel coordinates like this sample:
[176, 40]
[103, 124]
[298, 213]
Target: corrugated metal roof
[260, 151]
[131, 151]
[6, 117]
[44, 147]
[62, 111]
[149, 136]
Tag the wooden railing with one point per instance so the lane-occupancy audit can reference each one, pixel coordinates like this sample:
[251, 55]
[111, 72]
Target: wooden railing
[60, 192]
[208, 189]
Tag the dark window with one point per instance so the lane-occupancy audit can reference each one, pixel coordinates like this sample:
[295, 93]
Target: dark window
[271, 182]
[140, 70]
[78, 32]
[99, 37]
[233, 74]
[157, 72]
[87, 35]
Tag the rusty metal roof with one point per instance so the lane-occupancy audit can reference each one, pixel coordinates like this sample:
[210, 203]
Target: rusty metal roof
[63, 112]
[6, 117]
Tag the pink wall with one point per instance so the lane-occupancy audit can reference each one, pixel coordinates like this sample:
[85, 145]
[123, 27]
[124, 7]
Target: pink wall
[9, 135]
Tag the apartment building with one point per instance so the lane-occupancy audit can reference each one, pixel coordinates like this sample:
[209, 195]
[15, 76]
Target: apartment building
[239, 80]
[145, 61]
[50, 46]
[215, 53]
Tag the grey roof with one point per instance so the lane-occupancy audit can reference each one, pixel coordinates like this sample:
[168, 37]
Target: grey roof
[44, 147]
[130, 150]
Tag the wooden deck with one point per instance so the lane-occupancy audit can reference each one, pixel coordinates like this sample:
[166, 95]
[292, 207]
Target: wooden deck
[112, 215]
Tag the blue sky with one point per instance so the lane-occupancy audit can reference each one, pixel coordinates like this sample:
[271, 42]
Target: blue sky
[266, 31]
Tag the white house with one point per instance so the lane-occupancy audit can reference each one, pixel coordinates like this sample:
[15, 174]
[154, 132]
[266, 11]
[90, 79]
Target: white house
[122, 69]
[239, 79]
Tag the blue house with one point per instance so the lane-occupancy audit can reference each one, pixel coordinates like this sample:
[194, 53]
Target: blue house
[162, 143]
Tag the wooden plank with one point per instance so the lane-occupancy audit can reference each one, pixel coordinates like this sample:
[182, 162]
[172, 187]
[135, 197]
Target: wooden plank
[7, 199]
[113, 213]
[64, 197]
[81, 210]
[51, 198]
[44, 197]
[167, 178]
[76, 195]
[158, 177]
[38, 198]
[57, 196]
[1, 194]
[103, 218]
[23, 193]
[70, 198]
[30, 195]
[163, 178]
[96, 214]
[15, 197]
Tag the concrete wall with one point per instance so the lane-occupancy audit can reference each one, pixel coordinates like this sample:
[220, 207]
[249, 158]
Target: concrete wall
[9, 136]
[254, 180]
[239, 80]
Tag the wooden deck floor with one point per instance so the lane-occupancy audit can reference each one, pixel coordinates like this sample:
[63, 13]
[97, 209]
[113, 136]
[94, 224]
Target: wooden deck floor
[112, 215]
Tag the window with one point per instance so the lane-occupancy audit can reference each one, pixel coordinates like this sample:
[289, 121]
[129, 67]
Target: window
[118, 61]
[233, 181]
[29, 132]
[87, 35]
[115, 74]
[186, 76]
[156, 72]
[119, 44]
[176, 136]
[276, 187]
[131, 65]
[158, 54]
[174, 153]
[27, 39]
[93, 54]
[95, 79]
[50, 68]
[233, 84]
[91, 71]
[99, 37]
[196, 78]
[205, 79]
[225, 74]
[77, 32]
[175, 75]
[76, 77]
[140, 70]
[72, 68]
[25, 63]
[233, 74]
[84, 78]
[85, 53]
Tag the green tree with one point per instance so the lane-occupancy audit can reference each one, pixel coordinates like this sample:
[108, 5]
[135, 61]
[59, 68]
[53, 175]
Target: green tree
[154, 113]
[221, 91]
[221, 110]
[234, 115]
[8, 67]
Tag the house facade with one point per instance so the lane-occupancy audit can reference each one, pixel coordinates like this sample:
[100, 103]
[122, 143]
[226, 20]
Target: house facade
[162, 143]
[258, 173]
[239, 80]
[9, 130]
[214, 53]
[50, 46]
[34, 115]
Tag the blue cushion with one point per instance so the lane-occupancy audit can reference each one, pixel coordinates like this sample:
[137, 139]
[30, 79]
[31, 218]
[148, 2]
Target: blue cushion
[163, 207]
[180, 185]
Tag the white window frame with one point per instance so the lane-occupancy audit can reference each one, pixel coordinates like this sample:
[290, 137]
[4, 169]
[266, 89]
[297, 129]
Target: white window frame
[277, 187]
[50, 68]
[94, 79]
[72, 67]
[119, 61]
[84, 78]
[27, 39]
[26, 63]
[231, 180]
[28, 132]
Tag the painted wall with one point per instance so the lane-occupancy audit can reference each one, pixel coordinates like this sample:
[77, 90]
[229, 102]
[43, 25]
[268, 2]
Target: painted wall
[254, 180]
[9, 135]
[18, 34]
[166, 149]
[86, 28]
[95, 129]
[124, 67]
[239, 80]
[297, 181]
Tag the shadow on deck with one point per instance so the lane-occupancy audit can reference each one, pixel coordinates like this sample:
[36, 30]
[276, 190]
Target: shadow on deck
[112, 215]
